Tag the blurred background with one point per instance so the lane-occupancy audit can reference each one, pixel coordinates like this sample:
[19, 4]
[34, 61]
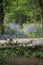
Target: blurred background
[21, 19]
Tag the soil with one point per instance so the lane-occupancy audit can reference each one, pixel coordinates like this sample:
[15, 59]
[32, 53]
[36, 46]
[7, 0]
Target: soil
[23, 61]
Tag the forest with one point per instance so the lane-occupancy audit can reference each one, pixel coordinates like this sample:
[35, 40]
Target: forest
[22, 18]
[21, 32]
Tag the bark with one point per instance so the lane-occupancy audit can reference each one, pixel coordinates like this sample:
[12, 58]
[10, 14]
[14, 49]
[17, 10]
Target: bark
[1, 18]
[41, 8]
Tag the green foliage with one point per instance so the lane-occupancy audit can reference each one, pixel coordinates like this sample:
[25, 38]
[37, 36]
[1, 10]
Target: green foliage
[7, 53]
[34, 35]
[22, 11]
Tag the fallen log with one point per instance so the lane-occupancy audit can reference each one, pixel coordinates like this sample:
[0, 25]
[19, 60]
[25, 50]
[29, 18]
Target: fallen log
[29, 42]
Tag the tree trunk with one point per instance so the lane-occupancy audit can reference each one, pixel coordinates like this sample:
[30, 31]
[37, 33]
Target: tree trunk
[1, 18]
[41, 8]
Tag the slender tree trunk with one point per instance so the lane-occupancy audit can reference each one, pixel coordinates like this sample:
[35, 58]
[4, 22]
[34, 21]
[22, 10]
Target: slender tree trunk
[41, 8]
[1, 17]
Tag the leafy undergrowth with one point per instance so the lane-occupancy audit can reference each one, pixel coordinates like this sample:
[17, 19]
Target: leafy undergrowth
[6, 53]
[35, 35]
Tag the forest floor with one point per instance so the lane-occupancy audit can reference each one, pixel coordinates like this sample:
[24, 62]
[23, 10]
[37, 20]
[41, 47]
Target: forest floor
[24, 61]
[21, 60]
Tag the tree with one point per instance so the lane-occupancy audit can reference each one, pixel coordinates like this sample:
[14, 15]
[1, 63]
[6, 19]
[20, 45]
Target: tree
[41, 8]
[1, 17]
[26, 8]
